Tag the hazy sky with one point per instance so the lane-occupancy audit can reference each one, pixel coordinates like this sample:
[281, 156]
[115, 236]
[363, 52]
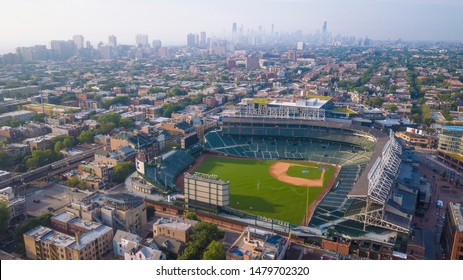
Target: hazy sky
[29, 22]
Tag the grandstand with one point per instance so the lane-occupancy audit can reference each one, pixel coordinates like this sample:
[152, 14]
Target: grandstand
[361, 196]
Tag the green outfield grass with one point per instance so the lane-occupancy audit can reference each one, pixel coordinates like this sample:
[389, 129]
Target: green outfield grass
[255, 191]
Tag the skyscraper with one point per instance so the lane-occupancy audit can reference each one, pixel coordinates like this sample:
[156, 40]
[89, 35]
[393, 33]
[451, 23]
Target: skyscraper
[78, 41]
[324, 33]
[141, 40]
[191, 40]
[202, 40]
[112, 41]
[157, 44]
[234, 28]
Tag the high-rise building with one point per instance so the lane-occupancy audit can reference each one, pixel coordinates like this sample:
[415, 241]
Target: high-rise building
[252, 62]
[300, 46]
[291, 55]
[325, 32]
[141, 40]
[78, 41]
[202, 40]
[234, 28]
[191, 40]
[112, 41]
[157, 44]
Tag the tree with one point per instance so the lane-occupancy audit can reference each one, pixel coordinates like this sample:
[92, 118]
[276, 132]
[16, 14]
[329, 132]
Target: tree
[86, 137]
[4, 217]
[215, 251]
[106, 128]
[5, 160]
[202, 234]
[41, 158]
[58, 147]
[122, 170]
[69, 142]
[192, 216]
[392, 108]
[127, 123]
[43, 220]
[114, 118]
[39, 117]
[74, 182]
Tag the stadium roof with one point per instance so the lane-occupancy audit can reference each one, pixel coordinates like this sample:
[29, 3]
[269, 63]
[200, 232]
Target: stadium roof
[361, 187]
[316, 103]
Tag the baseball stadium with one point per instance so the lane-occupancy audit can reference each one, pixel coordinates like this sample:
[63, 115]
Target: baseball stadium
[359, 167]
[311, 177]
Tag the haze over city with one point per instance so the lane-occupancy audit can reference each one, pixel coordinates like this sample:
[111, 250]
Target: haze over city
[25, 23]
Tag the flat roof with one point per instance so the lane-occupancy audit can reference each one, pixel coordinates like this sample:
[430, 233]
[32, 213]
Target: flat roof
[64, 216]
[90, 236]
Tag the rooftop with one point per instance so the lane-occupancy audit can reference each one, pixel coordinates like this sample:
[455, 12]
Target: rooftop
[89, 237]
[120, 234]
[303, 103]
[64, 216]
[456, 210]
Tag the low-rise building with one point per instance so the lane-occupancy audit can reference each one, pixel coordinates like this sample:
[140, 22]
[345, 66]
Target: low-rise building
[178, 230]
[125, 242]
[96, 171]
[148, 251]
[417, 140]
[22, 116]
[256, 244]
[40, 143]
[124, 211]
[15, 149]
[42, 243]
[16, 204]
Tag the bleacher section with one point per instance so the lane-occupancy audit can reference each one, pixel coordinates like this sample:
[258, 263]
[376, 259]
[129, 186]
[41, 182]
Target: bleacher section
[335, 203]
[171, 166]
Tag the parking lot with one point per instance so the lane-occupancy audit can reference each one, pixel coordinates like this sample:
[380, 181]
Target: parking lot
[49, 198]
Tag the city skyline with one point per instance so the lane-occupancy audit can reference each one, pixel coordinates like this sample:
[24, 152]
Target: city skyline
[39, 22]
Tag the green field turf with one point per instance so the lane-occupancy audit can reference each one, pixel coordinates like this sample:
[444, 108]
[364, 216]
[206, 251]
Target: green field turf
[255, 191]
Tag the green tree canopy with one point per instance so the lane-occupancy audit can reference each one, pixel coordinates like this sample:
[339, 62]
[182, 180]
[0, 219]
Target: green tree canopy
[43, 220]
[58, 147]
[114, 118]
[74, 182]
[202, 234]
[41, 158]
[86, 136]
[122, 170]
[215, 251]
[127, 123]
[39, 117]
[5, 160]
